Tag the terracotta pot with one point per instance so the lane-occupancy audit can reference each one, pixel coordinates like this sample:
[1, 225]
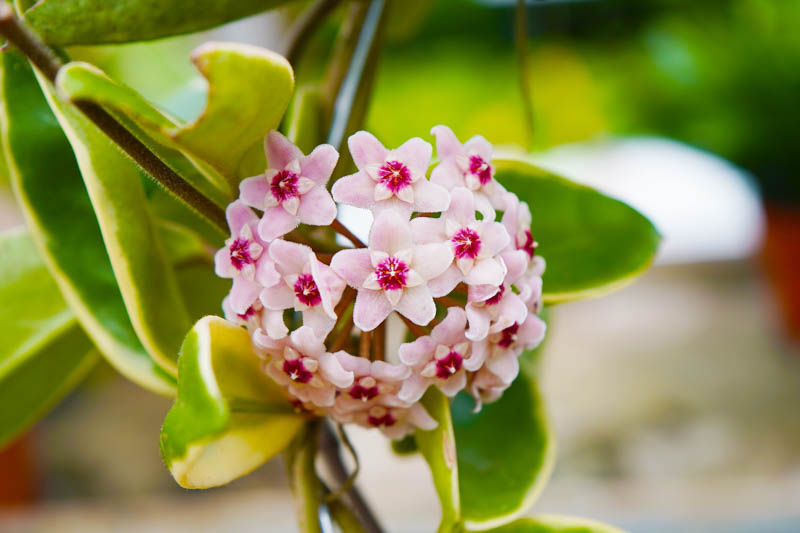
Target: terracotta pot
[782, 259]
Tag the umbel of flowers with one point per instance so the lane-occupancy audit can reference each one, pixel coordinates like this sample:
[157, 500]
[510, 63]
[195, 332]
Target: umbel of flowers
[451, 255]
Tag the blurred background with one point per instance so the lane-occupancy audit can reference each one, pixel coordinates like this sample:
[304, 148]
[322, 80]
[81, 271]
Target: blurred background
[676, 401]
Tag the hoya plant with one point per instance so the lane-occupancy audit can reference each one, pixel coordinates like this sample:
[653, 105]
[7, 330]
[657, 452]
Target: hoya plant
[207, 260]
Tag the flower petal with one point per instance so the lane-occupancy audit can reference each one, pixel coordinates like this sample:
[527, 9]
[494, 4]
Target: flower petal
[390, 233]
[462, 206]
[450, 331]
[317, 207]
[445, 282]
[487, 271]
[277, 297]
[353, 266]
[417, 352]
[451, 386]
[504, 365]
[252, 191]
[356, 189]
[480, 146]
[243, 294]
[331, 369]
[366, 149]
[431, 260]
[478, 323]
[280, 151]
[420, 417]
[371, 309]
[417, 305]
[447, 144]
[238, 216]
[319, 164]
[413, 388]
[290, 257]
[389, 372]
[415, 154]
[276, 222]
[430, 197]
[447, 175]
[317, 319]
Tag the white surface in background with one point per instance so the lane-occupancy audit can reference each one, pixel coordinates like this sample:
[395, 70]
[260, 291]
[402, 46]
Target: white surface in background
[705, 207]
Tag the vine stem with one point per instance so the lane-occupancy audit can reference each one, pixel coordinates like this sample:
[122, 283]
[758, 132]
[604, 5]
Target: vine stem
[521, 41]
[329, 451]
[48, 63]
[306, 26]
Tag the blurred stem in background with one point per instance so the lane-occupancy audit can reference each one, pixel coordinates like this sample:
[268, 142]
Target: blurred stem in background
[523, 70]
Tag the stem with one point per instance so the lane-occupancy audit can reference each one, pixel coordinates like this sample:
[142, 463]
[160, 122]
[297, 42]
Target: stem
[345, 97]
[46, 61]
[521, 40]
[305, 484]
[363, 344]
[342, 230]
[329, 453]
[306, 26]
[447, 301]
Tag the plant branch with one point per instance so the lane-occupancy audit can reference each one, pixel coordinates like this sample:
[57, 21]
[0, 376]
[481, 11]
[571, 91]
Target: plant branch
[523, 70]
[329, 453]
[46, 61]
[306, 26]
[416, 329]
[342, 230]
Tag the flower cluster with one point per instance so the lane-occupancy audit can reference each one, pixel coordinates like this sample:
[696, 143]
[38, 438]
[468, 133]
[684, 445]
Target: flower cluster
[466, 285]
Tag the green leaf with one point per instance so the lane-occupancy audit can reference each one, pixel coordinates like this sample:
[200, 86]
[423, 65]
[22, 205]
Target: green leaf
[592, 243]
[554, 524]
[438, 446]
[53, 198]
[249, 89]
[66, 22]
[44, 354]
[145, 277]
[229, 417]
[505, 453]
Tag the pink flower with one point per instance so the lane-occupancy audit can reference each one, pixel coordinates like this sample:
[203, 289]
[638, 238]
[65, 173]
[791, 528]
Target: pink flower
[375, 383]
[393, 273]
[517, 221]
[244, 258]
[292, 190]
[506, 345]
[390, 178]
[475, 243]
[301, 363]
[467, 165]
[251, 318]
[530, 286]
[442, 358]
[394, 422]
[307, 285]
[490, 311]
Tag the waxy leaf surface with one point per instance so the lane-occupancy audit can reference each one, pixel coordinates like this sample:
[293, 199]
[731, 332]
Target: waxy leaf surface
[60, 217]
[438, 446]
[44, 354]
[592, 243]
[505, 453]
[138, 259]
[229, 417]
[65, 22]
[248, 91]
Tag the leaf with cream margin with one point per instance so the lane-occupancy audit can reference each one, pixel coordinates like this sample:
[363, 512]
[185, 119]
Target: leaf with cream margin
[68, 22]
[438, 446]
[60, 218]
[248, 90]
[593, 244]
[554, 524]
[506, 453]
[44, 354]
[229, 417]
[144, 275]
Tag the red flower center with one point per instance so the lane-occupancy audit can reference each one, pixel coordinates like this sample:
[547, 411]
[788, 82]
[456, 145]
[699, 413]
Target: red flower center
[284, 185]
[247, 314]
[305, 288]
[466, 243]
[480, 168]
[360, 392]
[529, 245]
[296, 371]
[449, 365]
[509, 335]
[392, 274]
[394, 175]
[494, 300]
[385, 420]
[240, 253]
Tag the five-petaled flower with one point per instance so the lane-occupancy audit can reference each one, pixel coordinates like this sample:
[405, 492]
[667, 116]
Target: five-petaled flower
[292, 190]
[245, 259]
[393, 273]
[390, 178]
